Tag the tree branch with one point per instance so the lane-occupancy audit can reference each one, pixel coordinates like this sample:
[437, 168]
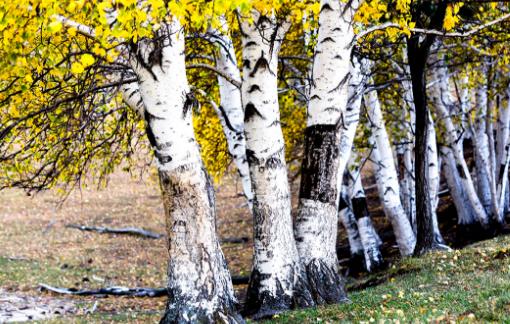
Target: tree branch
[432, 31]
[236, 83]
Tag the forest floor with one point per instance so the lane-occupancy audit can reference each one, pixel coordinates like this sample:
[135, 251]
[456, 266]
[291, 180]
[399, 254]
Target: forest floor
[37, 247]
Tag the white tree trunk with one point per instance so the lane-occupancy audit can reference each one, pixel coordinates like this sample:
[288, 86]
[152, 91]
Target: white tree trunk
[455, 184]
[444, 105]
[316, 222]
[407, 184]
[502, 152]
[481, 148]
[368, 236]
[434, 179]
[348, 220]
[387, 178]
[231, 111]
[277, 280]
[199, 284]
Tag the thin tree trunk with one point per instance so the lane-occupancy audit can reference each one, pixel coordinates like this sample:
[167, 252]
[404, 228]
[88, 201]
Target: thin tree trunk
[316, 222]
[387, 178]
[231, 111]
[278, 281]
[433, 174]
[368, 235]
[481, 147]
[455, 184]
[346, 215]
[444, 105]
[199, 284]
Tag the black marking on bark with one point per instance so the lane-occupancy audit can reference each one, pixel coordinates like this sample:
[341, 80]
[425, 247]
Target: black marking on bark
[326, 284]
[247, 64]
[342, 83]
[250, 112]
[460, 170]
[360, 207]
[262, 63]
[140, 59]
[320, 164]
[250, 43]
[156, 56]
[133, 93]
[326, 6]
[227, 120]
[253, 88]
[315, 97]
[150, 134]
[388, 189]
[163, 158]
[275, 161]
[328, 39]
[501, 173]
[190, 102]
[261, 303]
[343, 202]
[250, 157]
[275, 123]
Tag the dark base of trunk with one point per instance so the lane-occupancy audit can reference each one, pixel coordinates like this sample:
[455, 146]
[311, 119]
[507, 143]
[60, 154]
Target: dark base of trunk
[262, 304]
[175, 314]
[438, 239]
[326, 285]
[433, 248]
[357, 265]
[377, 263]
[470, 233]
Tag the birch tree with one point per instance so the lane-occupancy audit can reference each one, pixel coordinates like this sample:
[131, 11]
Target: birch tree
[316, 228]
[278, 280]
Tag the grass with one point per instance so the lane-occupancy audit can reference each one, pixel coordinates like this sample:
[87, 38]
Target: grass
[36, 247]
[469, 285]
[466, 285]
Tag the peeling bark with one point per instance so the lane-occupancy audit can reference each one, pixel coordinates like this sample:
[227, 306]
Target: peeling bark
[434, 180]
[199, 284]
[278, 280]
[387, 178]
[230, 111]
[444, 105]
[316, 222]
[366, 233]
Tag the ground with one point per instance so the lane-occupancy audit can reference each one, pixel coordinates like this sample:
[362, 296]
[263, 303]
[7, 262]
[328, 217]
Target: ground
[38, 248]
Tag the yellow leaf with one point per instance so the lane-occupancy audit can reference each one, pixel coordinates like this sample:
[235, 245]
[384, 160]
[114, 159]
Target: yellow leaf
[87, 60]
[77, 68]
[54, 26]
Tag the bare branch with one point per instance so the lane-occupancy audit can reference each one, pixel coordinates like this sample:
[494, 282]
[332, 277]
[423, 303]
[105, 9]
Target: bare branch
[227, 77]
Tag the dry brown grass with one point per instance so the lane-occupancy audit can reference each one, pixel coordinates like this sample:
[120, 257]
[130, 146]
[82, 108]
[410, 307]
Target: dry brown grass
[33, 228]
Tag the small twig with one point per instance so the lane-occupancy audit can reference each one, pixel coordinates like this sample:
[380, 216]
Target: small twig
[242, 239]
[124, 291]
[144, 233]
[125, 230]
[113, 291]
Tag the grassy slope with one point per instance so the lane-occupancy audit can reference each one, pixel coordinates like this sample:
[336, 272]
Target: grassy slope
[468, 285]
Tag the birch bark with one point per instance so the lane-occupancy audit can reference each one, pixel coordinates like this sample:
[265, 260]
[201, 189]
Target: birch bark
[316, 223]
[387, 178]
[199, 284]
[278, 280]
[231, 111]
[444, 105]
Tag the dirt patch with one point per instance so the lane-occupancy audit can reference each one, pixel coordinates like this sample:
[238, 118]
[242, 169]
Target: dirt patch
[21, 308]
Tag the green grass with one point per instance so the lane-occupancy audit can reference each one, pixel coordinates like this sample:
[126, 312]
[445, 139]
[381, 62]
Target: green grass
[28, 273]
[468, 285]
